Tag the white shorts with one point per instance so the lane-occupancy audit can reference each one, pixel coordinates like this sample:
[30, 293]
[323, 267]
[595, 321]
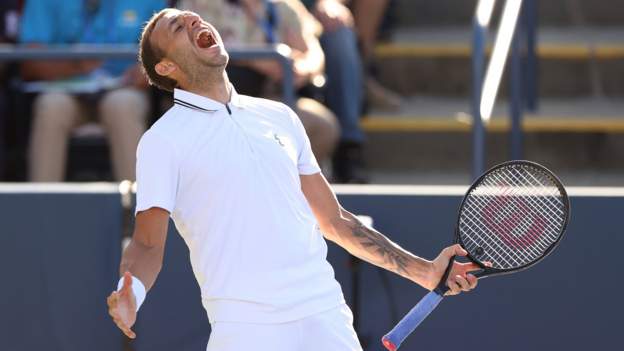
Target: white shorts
[327, 331]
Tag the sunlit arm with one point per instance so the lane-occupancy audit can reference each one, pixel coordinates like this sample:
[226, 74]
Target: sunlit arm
[346, 230]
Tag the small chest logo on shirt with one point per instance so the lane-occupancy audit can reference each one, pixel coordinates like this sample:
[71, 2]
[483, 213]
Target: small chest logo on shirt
[277, 138]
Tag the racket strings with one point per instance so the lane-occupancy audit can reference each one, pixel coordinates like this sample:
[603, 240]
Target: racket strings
[553, 193]
[519, 207]
[504, 211]
[520, 256]
[529, 188]
[553, 206]
[513, 202]
[494, 248]
[497, 250]
[549, 197]
[512, 216]
[529, 204]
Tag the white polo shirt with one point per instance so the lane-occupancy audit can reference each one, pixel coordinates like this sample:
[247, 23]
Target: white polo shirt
[229, 176]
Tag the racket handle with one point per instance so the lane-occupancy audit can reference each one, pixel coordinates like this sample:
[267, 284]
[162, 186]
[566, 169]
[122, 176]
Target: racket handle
[392, 341]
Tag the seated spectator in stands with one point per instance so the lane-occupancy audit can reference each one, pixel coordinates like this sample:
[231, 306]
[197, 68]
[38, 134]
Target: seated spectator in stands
[344, 88]
[74, 92]
[9, 24]
[9, 20]
[368, 16]
[249, 22]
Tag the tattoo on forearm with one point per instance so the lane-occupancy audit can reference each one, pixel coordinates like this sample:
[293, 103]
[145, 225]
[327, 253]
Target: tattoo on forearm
[387, 252]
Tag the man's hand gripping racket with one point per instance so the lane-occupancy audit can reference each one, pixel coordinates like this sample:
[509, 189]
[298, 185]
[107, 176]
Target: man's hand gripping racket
[512, 217]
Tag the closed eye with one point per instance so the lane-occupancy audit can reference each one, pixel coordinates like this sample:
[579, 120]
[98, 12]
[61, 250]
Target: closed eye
[174, 24]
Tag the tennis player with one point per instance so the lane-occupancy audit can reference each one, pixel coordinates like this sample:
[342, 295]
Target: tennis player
[239, 179]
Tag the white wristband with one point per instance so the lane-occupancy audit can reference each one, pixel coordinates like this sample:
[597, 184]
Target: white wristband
[137, 288]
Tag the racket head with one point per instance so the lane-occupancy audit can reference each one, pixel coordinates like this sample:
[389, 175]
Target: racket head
[512, 216]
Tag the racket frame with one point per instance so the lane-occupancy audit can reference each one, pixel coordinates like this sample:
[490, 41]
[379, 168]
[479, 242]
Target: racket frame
[393, 340]
[490, 271]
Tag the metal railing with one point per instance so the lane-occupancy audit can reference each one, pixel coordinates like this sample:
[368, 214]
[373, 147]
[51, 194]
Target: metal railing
[516, 33]
[279, 53]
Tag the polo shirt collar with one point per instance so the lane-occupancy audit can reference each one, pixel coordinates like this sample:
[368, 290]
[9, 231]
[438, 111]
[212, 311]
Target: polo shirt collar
[202, 103]
[235, 99]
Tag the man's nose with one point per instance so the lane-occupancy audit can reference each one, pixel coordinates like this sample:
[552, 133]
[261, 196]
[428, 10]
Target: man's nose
[191, 19]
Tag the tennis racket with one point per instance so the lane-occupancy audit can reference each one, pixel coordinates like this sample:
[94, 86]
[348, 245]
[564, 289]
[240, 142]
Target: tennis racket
[512, 217]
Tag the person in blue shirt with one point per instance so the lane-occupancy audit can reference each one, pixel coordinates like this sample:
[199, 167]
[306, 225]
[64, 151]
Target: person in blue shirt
[344, 88]
[74, 92]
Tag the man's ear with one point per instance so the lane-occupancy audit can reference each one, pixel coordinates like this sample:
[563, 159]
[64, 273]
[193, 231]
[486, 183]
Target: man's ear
[165, 67]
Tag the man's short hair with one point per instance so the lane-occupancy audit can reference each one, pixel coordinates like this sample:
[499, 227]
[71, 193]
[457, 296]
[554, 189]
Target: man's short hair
[150, 54]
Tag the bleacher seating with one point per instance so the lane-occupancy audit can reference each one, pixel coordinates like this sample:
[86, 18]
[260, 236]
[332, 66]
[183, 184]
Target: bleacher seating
[428, 60]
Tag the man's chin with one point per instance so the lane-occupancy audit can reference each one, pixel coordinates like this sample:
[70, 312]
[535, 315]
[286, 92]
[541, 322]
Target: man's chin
[218, 61]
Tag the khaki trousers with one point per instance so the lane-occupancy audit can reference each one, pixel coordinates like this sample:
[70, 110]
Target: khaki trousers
[121, 112]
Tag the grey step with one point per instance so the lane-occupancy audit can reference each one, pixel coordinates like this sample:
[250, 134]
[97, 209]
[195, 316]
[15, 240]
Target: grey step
[452, 151]
[451, 76]
[437, 61]
[411, 13]
[437, 114]
[434, 134]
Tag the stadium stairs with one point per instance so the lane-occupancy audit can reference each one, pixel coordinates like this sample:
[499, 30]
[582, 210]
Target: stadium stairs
[579, 126]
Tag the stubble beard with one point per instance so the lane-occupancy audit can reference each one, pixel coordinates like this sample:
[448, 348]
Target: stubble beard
[202, 72]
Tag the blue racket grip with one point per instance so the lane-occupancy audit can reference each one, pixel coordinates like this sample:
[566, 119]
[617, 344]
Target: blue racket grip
[393, 340]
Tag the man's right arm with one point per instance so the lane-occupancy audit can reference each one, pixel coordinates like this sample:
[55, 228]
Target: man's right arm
[142, 259]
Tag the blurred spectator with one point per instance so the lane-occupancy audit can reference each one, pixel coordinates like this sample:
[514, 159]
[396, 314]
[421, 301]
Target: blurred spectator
[344, 88]
[9, 24]
[74, 92]
[9, 20]
[369, 15]
[249, 22]
[367, 18]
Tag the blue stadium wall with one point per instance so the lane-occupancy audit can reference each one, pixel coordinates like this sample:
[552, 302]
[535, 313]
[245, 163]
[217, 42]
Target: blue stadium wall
[60, 249]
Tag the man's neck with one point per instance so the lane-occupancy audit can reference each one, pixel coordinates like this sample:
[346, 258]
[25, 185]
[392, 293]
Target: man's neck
[217, 89]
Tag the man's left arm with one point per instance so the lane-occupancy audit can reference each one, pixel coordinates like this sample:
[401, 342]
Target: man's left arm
[346, 230]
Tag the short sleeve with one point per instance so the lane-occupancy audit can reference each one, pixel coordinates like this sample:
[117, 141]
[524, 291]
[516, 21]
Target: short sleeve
[157, 173]
[36, 25]
[306, 162]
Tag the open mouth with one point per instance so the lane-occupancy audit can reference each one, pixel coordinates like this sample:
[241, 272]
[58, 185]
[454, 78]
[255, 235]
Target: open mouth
[205, 39]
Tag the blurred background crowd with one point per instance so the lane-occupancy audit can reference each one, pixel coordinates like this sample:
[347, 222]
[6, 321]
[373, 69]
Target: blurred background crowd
[382, 86]
[80, 120]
